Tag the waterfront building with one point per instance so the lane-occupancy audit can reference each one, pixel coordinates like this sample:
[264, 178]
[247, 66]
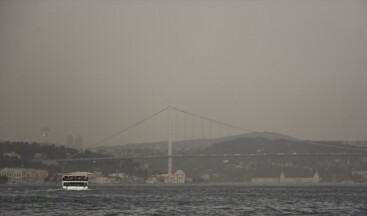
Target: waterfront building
[14, 176]
[314, 179]
[22, 175]
[102, 180]
[152, 180]
[205, 177]
[361, 173]
[177, 178]
[282, 179]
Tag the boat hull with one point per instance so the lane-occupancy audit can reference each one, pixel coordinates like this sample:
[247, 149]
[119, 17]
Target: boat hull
[74, 188]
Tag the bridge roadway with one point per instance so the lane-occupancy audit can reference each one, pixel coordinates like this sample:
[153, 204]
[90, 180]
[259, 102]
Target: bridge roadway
[212, 155]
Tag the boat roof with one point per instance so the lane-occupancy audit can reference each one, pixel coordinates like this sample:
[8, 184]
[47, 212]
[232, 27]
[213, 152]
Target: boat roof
[78, 174]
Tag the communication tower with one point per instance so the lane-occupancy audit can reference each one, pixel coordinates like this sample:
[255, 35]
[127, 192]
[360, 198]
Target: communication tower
[45, 131]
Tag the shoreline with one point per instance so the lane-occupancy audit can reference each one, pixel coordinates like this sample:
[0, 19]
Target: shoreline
[212, 184]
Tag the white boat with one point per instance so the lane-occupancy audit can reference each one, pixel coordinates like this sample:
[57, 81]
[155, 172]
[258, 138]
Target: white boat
[74, 182]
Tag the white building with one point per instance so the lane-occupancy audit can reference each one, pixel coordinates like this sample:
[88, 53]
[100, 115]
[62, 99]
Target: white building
[22, 175]
[12, 154]
[177, 178]
[101, 180]
[284, 180]
[363, 174]
[314, 179]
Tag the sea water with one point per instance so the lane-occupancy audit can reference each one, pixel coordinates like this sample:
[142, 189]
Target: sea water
[185, 200]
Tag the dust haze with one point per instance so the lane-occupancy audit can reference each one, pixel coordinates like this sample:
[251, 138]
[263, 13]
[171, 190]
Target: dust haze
[91, 68]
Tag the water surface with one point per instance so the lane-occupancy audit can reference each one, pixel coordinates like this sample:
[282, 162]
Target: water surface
[185, 200]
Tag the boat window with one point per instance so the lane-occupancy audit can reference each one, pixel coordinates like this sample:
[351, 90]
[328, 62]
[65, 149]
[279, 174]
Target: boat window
[75, 178]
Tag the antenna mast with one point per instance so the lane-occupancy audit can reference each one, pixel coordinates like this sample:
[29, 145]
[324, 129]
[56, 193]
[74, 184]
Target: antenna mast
[45, 133]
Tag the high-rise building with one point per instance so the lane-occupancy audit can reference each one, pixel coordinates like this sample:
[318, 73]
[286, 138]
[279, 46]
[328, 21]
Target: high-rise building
[69, 141]
[78, 142]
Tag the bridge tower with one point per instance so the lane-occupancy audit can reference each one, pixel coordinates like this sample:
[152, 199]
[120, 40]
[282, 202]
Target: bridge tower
[169, 142]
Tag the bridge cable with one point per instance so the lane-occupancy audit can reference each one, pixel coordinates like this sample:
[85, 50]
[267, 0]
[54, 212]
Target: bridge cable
[123, 130]
[249, 130]
[211, 120]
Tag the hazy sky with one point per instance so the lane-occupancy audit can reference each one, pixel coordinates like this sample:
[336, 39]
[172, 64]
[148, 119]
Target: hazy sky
[95, 67]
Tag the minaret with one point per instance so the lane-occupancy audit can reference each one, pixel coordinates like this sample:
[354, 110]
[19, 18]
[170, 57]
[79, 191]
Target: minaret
[282, 177]
[169, 143]
[316, 177]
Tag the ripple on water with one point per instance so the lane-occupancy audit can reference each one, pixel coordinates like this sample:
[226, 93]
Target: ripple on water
[184, 200]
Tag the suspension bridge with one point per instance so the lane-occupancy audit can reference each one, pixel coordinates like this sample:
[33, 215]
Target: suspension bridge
[195, 128]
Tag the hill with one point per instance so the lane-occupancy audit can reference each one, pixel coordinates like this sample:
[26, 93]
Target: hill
[182, 147]
[38, 156]
[248, 145]
[336, 167]
[44, 156]
[29, 151]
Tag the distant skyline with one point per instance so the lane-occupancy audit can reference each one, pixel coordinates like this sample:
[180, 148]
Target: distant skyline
[95, 67]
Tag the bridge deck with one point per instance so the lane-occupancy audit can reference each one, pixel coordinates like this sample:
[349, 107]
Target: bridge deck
[213, 155]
